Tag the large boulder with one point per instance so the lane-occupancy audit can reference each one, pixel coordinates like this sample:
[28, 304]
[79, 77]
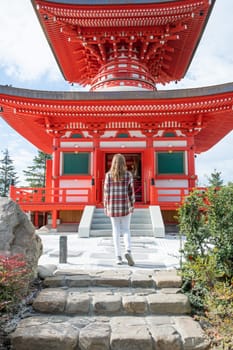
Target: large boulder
[17, 234]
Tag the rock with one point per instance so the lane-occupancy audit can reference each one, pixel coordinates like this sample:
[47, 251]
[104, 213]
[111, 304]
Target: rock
[166, 338]
[45, 271]
[130, 333]
[50, 301]
[168, 303]
[95, 336]
[52, 335]
[17, 234]
[43, 229]
[192, 334]
[106, 304]
[135, 304]
[77, 303]
[143, 281]
[167, 279]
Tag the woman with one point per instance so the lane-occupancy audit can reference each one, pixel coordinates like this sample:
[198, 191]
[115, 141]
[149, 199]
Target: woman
[119, 201]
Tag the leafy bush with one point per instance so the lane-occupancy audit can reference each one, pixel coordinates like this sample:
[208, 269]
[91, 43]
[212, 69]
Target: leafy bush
[220, 221]
[193, 224]
[200, 276]
[14, 280]
[206, 219]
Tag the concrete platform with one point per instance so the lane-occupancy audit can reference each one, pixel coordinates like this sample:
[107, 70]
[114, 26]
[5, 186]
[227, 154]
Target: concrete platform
[98, 252]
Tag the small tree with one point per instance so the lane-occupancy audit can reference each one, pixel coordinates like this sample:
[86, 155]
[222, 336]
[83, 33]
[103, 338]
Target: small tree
[206, 219]
[7, 173]
[35, 175]
[215, 179]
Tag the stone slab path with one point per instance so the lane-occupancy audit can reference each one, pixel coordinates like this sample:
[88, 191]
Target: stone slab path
[96, 253]
[110, 310]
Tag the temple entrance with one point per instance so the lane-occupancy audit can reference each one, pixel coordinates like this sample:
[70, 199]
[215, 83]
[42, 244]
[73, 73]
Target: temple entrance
[133, 161]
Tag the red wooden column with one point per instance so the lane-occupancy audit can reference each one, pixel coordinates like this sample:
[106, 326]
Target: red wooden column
[56, 161]
[54, 219]
[55, 178]
[48, 181]
[95, 188]
[149, 170]
[191, 162]
[36, 219]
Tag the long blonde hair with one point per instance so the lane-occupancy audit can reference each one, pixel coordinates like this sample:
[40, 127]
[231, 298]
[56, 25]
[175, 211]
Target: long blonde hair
[118, 167]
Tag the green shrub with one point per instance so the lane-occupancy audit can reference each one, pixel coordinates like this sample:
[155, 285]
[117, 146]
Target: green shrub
[192, 217]
[206, 219]
[200, 276]
[220, 222]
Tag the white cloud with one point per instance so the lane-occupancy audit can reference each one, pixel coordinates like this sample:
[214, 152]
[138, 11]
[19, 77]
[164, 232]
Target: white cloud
[25, 54]
[213, 65]
[26, 58]
[219, 157]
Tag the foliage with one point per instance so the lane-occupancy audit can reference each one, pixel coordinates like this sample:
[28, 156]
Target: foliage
[215, 179]
[35, 175]
[14, 280]
[206, 219]
[220, 221]
[200, 276]
[220, 302]
[193, 223]
[7, 173]
[217, 320]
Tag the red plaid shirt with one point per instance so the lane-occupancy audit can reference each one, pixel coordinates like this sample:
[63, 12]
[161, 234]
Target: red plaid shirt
[119, 196]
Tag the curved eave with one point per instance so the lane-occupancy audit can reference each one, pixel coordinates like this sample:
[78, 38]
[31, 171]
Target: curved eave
[107, 2]
[78, 65]
[116, 95]
[218, 127]
[30, 112]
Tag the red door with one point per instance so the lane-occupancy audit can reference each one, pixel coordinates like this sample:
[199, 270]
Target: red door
[133, 161]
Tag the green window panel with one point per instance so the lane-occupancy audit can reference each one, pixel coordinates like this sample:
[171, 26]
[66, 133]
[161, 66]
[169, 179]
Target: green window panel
[76, 163]
[122, 135]
[76, 136]
[170, 163]
[169, 134]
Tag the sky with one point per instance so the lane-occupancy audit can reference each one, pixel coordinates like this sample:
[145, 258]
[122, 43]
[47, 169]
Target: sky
[26, 61]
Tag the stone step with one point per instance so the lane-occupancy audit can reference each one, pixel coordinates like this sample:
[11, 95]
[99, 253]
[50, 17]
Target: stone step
[115, 309]
[46, 332]
[137, 211]
[108, 233]
[104, 222]
[133, 226]
[147, 278]
[135, 217]
[111, 301]
[141, 224]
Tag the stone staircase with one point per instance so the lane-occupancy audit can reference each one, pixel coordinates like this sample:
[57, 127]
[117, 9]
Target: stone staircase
[117, 309]
[140, 223]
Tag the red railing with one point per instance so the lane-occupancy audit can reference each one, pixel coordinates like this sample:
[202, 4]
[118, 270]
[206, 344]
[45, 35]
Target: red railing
[170, 197]
[166, 197]
[168, 194]
[40, 195]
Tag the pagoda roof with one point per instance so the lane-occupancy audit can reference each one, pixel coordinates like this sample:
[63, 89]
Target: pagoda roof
[165, 34]
[39, 116]
[108, 2]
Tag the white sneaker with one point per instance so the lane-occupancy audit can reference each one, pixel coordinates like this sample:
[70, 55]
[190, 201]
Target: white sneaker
[119, 260]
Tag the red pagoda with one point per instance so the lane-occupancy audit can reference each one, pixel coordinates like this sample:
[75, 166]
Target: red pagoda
[121, 50]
